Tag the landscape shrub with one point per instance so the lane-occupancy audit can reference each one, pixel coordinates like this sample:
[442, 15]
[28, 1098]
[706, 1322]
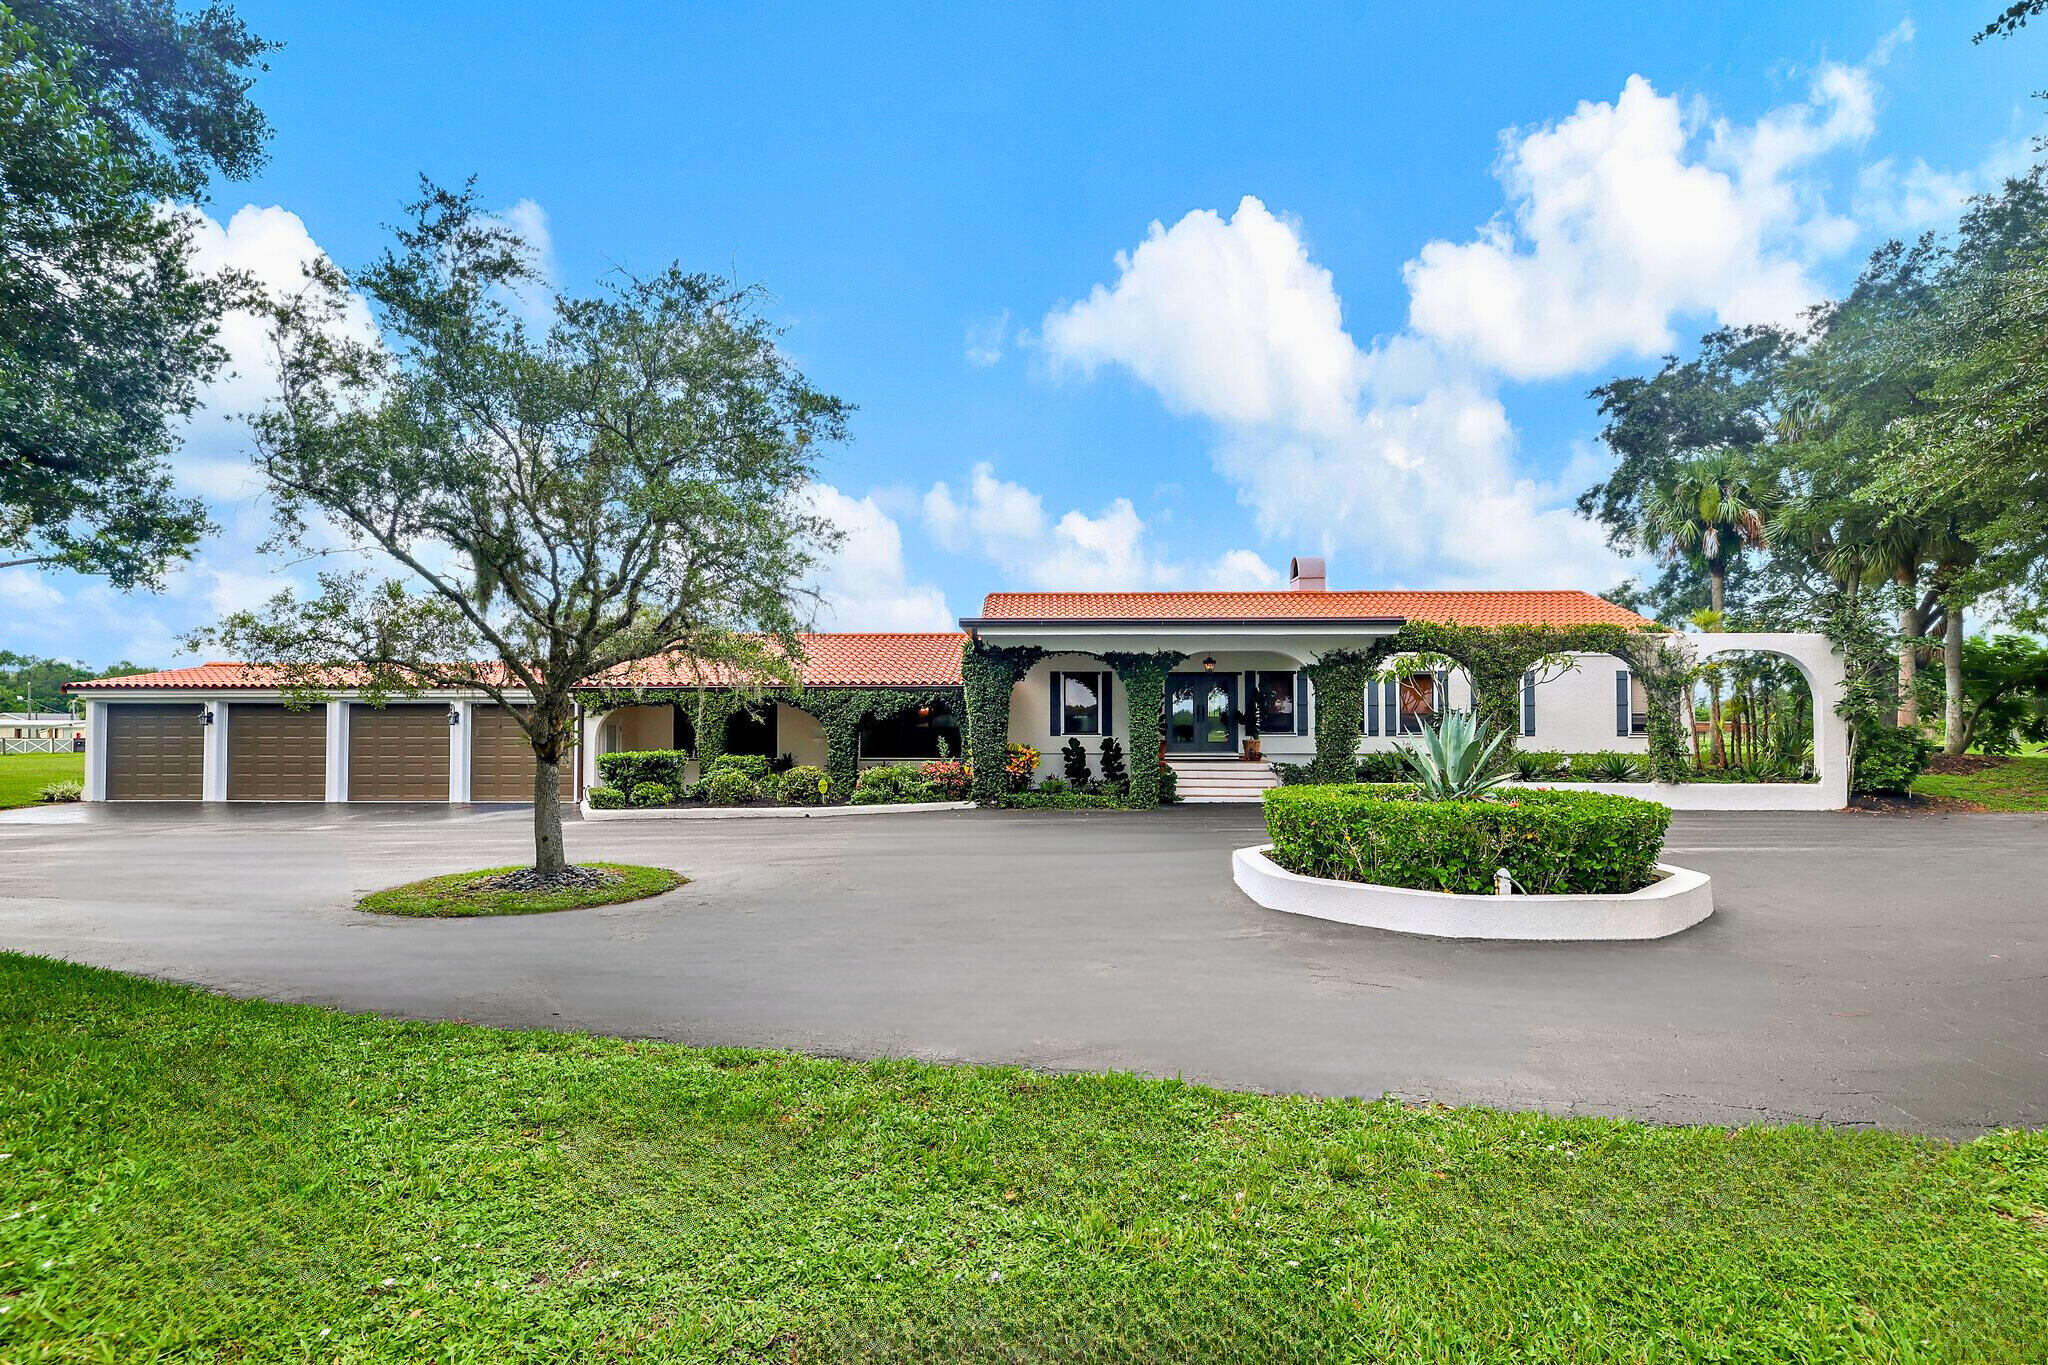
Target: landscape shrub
[1294, 774]
[1076, 760]
[731, 786]
[653, 794]
[1888, 758]
[1063, 800]
[1553, 842]
[753, 766]
[1053, 786]
[1169, 786]
[64, 789]
[1383, 765]
[1540, 765]
[952, 779]
[1615, 768]
[803, 786]
[1588, 767]
[1020, 765]
[628, 770]
[892, 786]
[605, 798]
[1114, 773]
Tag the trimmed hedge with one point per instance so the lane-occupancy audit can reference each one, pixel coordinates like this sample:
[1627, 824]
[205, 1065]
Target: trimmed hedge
[605, 798]
[629, 769]
[755, 766]
[893, 786]
[729, 787]
[1554, 842]
[652, 794]
[803, 786]
[1056, 800]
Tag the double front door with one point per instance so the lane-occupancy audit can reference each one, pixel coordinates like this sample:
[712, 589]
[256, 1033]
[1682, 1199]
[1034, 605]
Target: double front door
[1201, 713]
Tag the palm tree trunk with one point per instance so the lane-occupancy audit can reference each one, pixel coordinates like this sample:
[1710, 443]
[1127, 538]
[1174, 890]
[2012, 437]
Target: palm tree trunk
[1952, 677]
[1717, 747]
[1910, 627]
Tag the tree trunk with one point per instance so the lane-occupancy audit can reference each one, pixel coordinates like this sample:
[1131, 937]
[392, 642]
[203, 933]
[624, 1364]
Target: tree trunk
[1910, 627]
[1716, 747]
[553, 719]
[1717, 589]
[1952, 676]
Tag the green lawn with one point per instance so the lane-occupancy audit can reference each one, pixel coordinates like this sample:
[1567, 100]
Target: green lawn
[192, 1178]
[23, 775]
[2019, 784]
[457, 895]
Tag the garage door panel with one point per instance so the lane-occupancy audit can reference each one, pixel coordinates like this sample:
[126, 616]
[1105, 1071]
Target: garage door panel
[501, 759]
[397, 753]
[155, 751]
[276, 754]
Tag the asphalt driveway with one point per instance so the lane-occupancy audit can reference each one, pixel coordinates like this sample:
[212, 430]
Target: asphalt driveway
[1860, 969]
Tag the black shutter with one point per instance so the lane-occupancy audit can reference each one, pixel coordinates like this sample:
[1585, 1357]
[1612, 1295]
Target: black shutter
[1103, 683]
[1529, 703]
[1395, 725]
[1621, 701]
[1055, 704]
[1372, 706]
[1300, 703]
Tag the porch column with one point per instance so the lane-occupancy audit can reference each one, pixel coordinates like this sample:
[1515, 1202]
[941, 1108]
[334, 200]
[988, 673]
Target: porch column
[213, 755]
[95, 751]
[1144, 680]
[337, 751]
[989, 672]
[460, 744]
[1339, 679]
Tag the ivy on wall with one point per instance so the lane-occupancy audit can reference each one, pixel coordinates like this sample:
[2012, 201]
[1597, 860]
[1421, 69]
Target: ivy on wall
[1144, 679]
[988, 672]
[1494, 659]
[839, 711]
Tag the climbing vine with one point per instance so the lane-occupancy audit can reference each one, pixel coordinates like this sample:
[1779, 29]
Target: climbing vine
[1339, 679]
[839, 711]
[1144, 679]
[988, 673]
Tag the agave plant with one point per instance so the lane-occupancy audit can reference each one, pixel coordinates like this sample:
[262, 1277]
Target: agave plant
[1454, 760]
[1616, 768]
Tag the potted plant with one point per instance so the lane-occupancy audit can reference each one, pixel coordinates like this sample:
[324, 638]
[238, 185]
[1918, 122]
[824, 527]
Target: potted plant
[1251, 730]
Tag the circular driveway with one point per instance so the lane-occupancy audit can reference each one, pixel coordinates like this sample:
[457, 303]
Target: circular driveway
[1859, 969]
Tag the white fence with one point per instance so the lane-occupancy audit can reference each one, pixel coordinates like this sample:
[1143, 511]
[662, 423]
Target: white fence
[65, 745]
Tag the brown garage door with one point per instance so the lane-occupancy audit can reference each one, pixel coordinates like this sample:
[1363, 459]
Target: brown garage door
[398, 753]
[154, 751]
[501, 759]
[275, 754]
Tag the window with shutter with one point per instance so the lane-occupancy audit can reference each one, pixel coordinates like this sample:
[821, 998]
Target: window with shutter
[1621, 701]
[1529, 704]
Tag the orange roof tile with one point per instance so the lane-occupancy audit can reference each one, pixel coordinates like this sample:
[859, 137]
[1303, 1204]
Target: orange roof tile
[1546, 608]
[899, 659]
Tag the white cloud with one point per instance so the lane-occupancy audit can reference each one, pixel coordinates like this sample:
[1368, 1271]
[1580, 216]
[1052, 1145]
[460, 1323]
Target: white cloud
[985, 340]
[534, 301]
[1912, 197]
[865, 585]
[1624, 217]
[1006, 523]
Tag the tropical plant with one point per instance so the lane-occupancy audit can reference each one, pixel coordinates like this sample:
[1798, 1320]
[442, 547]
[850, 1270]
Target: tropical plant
[952, 779]
[1020, 765]
[1075, 759]
[65, 789]
[1453, 761]
[1539, 765]
[1114, 774]
[1054, 786]
[1613, 767]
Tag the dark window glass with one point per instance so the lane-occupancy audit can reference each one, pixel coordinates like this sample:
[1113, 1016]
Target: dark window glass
[1080, 703]
[1277, 703]
[1180, 714]
[751, 732]
[912, 734]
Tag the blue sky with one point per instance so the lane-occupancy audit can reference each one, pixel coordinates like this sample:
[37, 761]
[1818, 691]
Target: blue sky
[1138, 298]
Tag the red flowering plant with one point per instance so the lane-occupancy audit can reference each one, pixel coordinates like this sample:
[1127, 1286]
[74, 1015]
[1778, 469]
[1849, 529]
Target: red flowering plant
[953, 778]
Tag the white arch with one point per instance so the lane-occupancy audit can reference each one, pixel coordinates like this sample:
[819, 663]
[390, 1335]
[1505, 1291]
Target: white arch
[1826, 678]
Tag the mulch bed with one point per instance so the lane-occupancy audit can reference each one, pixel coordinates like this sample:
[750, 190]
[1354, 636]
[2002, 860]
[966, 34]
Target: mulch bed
[1965, 763]
[568, 879]
[1914, 803]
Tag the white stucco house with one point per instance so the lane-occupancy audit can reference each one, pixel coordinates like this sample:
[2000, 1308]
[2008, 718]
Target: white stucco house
[220, 731]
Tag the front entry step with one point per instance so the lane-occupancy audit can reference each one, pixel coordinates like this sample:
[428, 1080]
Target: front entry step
[1214, 780]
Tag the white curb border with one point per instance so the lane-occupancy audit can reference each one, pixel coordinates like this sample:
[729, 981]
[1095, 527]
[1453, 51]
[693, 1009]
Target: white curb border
[767, 812]
[1679, 900]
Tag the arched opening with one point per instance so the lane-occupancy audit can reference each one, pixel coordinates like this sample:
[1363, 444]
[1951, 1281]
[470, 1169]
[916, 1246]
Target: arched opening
[1752, 717]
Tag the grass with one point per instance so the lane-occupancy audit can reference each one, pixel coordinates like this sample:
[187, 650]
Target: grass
[23, 775]
[193, 1178]
[457, 895]
[2018, 784]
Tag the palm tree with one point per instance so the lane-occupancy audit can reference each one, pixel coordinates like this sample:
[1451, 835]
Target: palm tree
[1710, 513]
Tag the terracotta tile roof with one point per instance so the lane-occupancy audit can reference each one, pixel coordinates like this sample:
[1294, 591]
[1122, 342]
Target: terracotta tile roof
[837, 659]
[1550, 608]
[847, 659]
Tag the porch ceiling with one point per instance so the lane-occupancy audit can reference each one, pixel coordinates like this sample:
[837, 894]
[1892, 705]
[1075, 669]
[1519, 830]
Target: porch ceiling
[1303, 640]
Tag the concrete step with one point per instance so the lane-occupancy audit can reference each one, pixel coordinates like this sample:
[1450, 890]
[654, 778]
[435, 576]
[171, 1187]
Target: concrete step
[1207, 781]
